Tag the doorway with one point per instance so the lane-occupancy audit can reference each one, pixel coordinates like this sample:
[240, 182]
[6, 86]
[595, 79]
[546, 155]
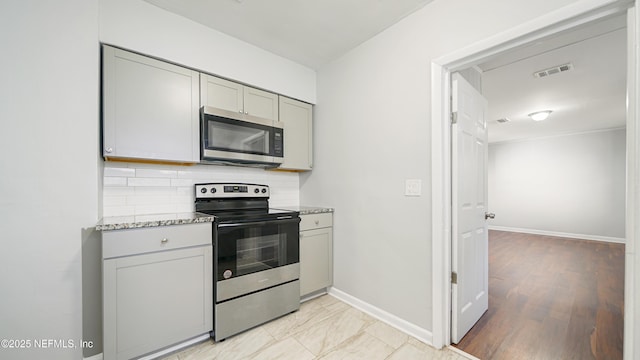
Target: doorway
[562, 177]
[441, 69]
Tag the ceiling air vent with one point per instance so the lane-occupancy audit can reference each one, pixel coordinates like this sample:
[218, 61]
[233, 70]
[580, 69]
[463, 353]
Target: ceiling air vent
[553, 70]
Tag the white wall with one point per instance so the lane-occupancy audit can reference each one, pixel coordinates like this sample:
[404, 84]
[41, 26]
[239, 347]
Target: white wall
[571, 185]
[49, 173]
[148, 29]
[372, 131]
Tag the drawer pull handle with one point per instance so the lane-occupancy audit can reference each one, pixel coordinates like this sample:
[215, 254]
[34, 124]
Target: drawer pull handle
[164, 241]
[317, 222]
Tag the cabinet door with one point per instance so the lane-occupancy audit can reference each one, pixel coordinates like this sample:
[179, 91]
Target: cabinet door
[221, 94]
[316, 260]
[298, 146]
[151, 108]
[155, 300]
[260, 103]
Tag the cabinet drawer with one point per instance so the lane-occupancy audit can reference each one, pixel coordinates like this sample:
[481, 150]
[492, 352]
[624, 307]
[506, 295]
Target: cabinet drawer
[145, 240]
[315, 221]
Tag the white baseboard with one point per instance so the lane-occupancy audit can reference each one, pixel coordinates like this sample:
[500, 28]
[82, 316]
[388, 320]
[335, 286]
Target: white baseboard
[560, 234]
[406, 327]
[94, 357]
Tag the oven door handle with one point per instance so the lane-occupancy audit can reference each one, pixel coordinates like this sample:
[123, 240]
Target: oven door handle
[261, 223]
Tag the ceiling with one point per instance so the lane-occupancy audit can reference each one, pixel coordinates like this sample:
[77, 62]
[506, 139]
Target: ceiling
[309, 32]
[589, 97]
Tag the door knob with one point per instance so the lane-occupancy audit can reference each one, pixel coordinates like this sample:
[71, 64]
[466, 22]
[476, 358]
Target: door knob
[489, 215]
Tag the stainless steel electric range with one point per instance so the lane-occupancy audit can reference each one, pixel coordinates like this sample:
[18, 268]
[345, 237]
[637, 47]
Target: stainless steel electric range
[256, 266]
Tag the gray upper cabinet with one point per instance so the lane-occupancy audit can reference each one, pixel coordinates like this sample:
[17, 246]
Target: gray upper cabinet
[150, 108]
[297, 117]
[234, 97]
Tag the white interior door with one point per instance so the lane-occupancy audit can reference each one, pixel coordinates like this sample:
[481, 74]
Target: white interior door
[470, 259]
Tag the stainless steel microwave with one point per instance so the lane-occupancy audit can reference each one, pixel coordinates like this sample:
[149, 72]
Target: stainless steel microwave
[229, 137]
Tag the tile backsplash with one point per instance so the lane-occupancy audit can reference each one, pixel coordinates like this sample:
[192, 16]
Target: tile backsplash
[138, 189]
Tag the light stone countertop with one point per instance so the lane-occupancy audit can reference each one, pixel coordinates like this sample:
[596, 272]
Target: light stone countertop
[152, 220]
[306, 210]
[155, 220]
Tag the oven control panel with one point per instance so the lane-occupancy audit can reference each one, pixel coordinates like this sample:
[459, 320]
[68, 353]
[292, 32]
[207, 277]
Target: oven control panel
[231, 190]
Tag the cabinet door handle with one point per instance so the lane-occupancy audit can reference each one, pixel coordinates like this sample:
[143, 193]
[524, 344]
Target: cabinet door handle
[317, 222]
[164, 241]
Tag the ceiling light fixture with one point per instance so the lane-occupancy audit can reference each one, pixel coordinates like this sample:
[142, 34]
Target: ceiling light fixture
[540, 115]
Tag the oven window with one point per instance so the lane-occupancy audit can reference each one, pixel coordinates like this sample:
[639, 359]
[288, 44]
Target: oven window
[237, 137]
[258, 253]
[248, 248]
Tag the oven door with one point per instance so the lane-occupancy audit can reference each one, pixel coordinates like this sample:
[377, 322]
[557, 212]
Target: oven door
[256, 255]
[243, 138]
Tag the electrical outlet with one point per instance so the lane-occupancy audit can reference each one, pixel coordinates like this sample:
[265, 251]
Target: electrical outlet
[412, 187]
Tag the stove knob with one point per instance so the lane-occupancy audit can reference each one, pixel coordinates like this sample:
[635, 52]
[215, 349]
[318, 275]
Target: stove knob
[264, 191]
[203, 190]
[213, 190]
[256, 190]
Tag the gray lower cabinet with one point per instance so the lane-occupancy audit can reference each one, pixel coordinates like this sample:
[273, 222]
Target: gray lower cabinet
[316, 252]
[157, 288]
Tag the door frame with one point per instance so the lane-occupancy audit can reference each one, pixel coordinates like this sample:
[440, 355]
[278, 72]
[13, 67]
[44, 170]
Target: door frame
[565, 18]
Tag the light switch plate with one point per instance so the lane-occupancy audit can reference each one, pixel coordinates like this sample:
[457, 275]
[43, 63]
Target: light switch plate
[412, 187]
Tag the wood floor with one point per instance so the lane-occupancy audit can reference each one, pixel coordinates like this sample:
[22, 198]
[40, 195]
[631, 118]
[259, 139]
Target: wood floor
[550, 298]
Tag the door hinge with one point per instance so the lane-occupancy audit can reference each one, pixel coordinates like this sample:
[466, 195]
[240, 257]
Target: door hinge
[454, 114]
[454, 277]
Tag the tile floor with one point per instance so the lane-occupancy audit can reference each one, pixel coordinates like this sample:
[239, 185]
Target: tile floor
[323, 328]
